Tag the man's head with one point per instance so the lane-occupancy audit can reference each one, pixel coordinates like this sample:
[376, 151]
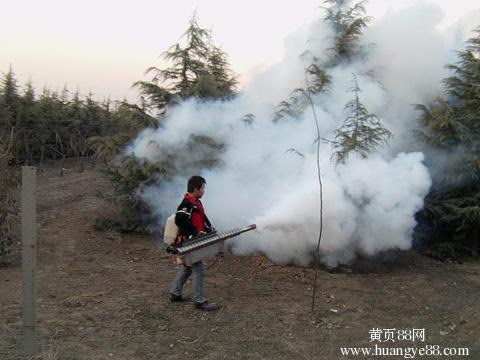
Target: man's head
[196, 186]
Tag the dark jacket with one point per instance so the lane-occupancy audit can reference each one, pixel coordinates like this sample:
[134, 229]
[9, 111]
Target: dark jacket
[191, 218]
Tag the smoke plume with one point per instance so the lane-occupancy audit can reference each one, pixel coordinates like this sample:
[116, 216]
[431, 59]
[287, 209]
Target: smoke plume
[368, 204]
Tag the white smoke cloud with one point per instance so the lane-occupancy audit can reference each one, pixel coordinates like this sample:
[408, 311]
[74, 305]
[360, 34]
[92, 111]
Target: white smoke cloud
[368, 204]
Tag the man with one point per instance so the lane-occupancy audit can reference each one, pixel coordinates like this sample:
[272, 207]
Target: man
[192, 221]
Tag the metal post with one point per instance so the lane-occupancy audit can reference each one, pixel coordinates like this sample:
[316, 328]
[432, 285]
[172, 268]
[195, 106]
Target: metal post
[29, 258]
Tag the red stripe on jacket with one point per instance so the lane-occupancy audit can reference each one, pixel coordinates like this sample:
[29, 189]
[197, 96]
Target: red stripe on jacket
[198, 217]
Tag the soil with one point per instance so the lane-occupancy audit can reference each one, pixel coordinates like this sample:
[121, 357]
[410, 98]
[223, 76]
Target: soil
[103, 295]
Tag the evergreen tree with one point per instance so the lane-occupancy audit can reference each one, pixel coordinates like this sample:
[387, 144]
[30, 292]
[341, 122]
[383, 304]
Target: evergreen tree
[348, 20]
[9, 94]
[7, 194]
[361, 131]
[450, 220]
[47, 111]
[123, 124]
[59, 126]
[26, 131]
[224, 81]
[199, 68]
[9, 102]
[128, 178]
[127, 174]
[317, 81]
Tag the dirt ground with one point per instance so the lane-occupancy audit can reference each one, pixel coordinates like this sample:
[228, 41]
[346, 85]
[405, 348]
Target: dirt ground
[104, 296]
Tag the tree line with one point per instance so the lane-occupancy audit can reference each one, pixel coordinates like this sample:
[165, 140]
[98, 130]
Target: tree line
[54, 126]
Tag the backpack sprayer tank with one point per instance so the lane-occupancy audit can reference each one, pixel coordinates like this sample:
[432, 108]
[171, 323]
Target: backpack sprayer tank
[171, 231]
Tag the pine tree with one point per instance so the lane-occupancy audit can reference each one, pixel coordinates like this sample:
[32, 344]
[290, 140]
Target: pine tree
[7, 194]
[317, 81]
[127, 174]
[9, 103]
[128, 179]
[9, 95]
[28, 124]
[47, 116]
[361, 131]
[348, 20]
[198, 68]
[224, 80]
[450, 220]
[124, 124]
[56, 126]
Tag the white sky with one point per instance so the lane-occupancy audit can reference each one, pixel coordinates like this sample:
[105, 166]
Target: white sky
[103, 46]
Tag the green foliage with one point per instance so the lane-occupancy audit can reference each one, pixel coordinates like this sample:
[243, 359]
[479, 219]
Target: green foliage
[317, 81]
[7, 194]
[292, 107]
[9, 101]
[449, 225]
[196, 154]
[26, 132]
[207, 152]
[55, 126]
[361, 131]
[317, 78]
[124, 124]
[442, 129]
[129, 177]
[449, 222]
[348, 22]
[223, 79]
[198, 69]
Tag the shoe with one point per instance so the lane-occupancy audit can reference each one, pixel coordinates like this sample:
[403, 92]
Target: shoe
[206, 306]
[177, 298]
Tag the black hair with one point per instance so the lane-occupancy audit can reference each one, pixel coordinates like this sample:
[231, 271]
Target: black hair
[195, 182]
